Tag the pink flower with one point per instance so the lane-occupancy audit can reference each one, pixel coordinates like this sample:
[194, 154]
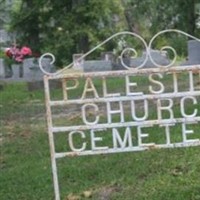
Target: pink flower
[26, 51]
[18, 54]
[19, 58]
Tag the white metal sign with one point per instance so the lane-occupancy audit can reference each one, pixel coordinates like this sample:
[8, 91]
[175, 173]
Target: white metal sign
[119, 110]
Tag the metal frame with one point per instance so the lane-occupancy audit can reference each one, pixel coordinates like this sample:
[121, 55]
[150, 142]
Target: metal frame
[138, 122]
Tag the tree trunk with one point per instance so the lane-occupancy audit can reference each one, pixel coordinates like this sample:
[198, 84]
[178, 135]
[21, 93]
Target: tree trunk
[191, 19]
[83, 44]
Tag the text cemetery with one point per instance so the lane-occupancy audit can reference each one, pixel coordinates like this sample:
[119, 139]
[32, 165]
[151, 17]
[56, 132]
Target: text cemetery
[128, 114]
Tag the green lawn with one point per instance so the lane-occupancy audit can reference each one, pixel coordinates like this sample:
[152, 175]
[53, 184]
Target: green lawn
[25, 166]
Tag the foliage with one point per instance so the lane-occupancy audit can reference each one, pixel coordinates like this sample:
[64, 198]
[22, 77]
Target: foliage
[2, 54]
[158, 15]
[66, 27]
[6, 59]
[75, 26]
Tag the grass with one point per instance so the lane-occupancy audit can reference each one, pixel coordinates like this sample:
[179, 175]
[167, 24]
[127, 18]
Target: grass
[25, 166]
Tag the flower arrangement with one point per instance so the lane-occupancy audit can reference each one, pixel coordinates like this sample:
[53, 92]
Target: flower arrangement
[18, 54]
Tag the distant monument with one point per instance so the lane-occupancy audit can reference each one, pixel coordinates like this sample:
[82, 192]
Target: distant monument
[78, 61]
[28, 71]
[193, 53]
[159, 57]
[97, 65]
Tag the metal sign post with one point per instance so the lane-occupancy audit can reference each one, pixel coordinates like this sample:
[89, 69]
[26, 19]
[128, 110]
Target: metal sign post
[128, 132]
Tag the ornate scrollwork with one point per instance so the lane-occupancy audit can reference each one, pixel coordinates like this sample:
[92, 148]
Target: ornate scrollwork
[147, 48]
[52, 62]
[97, 47]
[135, 55]
[174, 53]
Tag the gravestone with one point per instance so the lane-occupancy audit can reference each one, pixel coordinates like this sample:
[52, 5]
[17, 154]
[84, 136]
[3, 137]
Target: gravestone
[5, 70]
[77, 62]
[119, 66]
[2, 68]
[108, 56]
[28, 64]
[193, 53]
[28, 71]
[32, 70]
[32, 73]
[97, 65]
[17, 72]
[160, 58]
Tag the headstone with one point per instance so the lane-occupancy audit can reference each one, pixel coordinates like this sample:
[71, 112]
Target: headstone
[32, 70]
[34, 76]
[17, 72]
[193, 53]
[160, 58]
[119, 66]
[108, 56]
[2, 68]
[28, 71]
[78, 62]
[5, 70]
[27, 65]
[97, 65]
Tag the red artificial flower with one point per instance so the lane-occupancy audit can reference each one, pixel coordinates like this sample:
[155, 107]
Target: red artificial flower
[18, 54]
[26, 51]
[8, 53]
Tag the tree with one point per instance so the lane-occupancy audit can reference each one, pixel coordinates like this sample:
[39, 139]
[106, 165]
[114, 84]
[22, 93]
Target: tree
[75, 26]
[148, 17]
[25, 22]
[154, 15]
[68, 26]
